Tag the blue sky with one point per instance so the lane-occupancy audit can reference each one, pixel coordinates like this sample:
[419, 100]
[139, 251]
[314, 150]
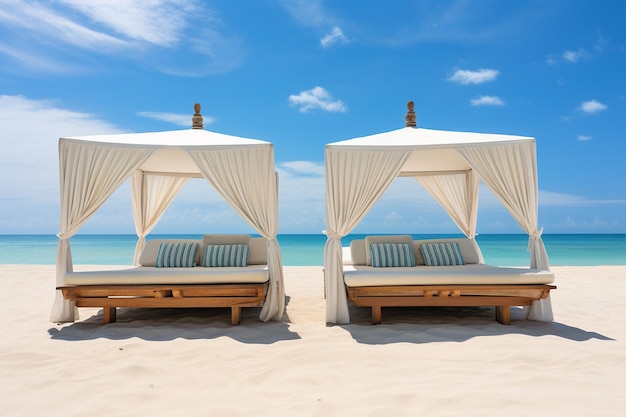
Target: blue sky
[305, 73]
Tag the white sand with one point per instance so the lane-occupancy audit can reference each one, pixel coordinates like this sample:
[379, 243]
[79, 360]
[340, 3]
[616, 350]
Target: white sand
[419, 362]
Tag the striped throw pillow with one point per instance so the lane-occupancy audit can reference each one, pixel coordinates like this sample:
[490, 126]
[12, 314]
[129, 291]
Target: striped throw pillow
[226, 255]
[177, 255]
[392, 254]
[441, 254]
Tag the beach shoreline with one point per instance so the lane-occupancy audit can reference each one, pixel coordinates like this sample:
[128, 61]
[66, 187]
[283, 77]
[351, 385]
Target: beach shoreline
[435, 361]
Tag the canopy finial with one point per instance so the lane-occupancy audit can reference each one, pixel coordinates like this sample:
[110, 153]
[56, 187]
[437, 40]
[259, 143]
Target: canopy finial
[410, 118]
[197, 121]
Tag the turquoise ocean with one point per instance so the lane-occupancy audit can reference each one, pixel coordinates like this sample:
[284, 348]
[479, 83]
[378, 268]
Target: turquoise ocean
[308, 250]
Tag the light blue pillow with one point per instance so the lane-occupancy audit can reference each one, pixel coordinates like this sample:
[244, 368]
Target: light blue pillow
[441, 254]
[226, 255]
[392, 254]
[177, 255]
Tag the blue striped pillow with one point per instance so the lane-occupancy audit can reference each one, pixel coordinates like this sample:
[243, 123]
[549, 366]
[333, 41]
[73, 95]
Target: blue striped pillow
[226, 255]
[442, 254]
[392, 254]
[177, 255]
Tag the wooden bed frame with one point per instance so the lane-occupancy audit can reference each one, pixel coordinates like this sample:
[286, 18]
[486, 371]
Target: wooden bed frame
[502, 297]
[109, 297]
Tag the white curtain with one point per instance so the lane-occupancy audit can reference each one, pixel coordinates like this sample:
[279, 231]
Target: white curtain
[457, 193]
[510, 172]
[151, 196]
[89, 174]
[355, 180]
[246, 179]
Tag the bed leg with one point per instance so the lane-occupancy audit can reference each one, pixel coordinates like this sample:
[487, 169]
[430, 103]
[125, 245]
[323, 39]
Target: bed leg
[235, 315]
[109, 315]
[503, 314]
[377, 314]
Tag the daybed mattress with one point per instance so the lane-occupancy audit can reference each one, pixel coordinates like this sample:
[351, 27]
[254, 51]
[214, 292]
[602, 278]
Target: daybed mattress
[252, 274]
[470, 274]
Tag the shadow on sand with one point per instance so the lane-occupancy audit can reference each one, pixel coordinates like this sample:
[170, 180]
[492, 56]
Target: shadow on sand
[452, 324]
[165, 324]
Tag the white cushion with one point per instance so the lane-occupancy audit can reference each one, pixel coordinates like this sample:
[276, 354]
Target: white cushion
[357, 252]
[225, 239]
[151, 275]
[361, 275]
[258, 251]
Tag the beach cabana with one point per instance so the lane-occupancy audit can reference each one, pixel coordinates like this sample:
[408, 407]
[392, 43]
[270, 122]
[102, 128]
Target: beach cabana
[159, 164]
[450, 166]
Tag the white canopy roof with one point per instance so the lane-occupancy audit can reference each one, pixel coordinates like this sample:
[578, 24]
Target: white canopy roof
[449, 165]
[159, 164]
[170, 147]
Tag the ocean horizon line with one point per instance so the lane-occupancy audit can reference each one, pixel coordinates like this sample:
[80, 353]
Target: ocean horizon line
[579, 249]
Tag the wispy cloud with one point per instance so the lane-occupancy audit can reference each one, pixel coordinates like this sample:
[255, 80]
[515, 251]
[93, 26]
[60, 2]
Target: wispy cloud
[592, 107]
[312, 14]
[487, 101]
[575, 56]
[554, 199]
[303, 167]
[156, 33]
[335, 36]
[29, 60]
[40, 20]
[317, 98]
[307, 12]
[466, 77]
[174, 118]
[157, 22]
[583, 138]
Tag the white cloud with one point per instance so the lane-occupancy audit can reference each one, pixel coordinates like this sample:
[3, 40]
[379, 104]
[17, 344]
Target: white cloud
[551, 60]
[29, 179]
[303, 167]
[306, 12]
[316, 98]
[39, 19]
[176, 37]
[487, 101]
[335, 36]
[174, 118]
[583, 137]
[554, 199]
[575, 56]
[29, 61]
[466, 77]
[592, 106]
[157, 22]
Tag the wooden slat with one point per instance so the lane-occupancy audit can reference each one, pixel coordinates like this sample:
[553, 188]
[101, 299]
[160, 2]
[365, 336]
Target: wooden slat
[469, 301]
[417, 289]
[109, 297]
[502, 297]
[149, 290]
[169, 302]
